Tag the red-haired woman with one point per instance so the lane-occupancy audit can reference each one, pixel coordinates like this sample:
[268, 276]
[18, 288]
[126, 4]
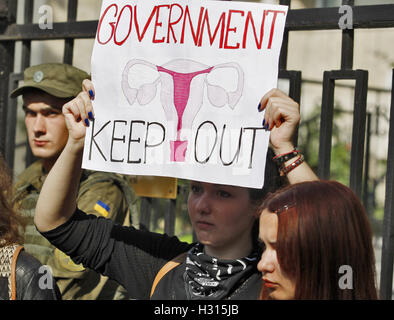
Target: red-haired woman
[318, 244]
[22, 277]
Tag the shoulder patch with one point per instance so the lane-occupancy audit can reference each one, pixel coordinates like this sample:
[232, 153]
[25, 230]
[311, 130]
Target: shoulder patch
[102, 208]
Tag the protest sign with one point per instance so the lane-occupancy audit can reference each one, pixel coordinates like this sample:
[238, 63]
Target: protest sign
[177, 88]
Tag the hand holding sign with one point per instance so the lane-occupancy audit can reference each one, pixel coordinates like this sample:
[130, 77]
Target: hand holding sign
[282, 115]
[179, 96]
[78, 112]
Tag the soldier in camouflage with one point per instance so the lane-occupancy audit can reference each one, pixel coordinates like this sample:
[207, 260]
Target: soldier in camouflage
[46, 88]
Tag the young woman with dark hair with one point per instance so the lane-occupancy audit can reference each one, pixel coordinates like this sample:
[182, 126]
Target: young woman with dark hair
[221, 265]
[318, 244]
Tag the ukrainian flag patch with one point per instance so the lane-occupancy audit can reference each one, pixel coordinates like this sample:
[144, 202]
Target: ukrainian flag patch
[102, 208]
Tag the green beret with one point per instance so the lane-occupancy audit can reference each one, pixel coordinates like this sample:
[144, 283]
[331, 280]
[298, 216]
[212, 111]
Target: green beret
[57, 79]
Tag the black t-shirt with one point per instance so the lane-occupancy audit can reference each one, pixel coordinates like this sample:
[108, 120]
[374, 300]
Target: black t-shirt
[131, 257]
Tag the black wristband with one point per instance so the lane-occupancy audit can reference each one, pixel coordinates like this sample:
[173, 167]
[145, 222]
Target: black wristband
[282, 158]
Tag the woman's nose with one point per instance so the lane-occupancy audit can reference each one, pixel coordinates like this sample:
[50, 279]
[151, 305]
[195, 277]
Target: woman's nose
[203, 203]
[266, 263]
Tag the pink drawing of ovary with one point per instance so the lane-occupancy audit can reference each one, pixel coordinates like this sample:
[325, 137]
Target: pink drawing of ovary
[182, 90]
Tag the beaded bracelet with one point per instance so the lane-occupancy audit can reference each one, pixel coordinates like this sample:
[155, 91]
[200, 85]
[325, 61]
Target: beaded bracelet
[280, 159]
[285, 170]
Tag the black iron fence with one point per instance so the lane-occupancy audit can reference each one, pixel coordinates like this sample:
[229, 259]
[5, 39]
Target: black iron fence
[364, 17]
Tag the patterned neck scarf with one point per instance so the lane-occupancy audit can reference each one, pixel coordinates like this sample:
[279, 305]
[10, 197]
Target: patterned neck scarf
[209, 278]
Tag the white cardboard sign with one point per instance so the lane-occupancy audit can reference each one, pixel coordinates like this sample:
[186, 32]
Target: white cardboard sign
[177, 88]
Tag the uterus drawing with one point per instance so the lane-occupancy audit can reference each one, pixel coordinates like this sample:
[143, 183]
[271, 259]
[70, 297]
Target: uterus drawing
[182, 90]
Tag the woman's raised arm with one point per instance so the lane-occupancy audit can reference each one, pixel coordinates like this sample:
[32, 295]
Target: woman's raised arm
[57, 200]
[281, 117]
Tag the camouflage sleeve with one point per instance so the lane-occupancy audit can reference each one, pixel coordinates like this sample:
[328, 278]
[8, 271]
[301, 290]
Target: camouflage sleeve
[104, 199]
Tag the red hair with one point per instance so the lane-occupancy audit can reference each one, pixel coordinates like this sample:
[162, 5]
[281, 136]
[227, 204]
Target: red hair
[322, 226]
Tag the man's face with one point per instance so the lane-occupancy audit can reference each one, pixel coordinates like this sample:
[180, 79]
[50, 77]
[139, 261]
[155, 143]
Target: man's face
[45, 125]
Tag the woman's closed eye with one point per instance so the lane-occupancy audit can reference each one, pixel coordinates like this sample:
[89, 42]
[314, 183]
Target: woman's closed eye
[224, 194]
[195, 188]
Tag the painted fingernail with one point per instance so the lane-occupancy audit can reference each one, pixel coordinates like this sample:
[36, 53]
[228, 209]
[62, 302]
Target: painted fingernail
[91, 115]
[91, 94]
[259, 106]
[87, 122]
[264, 123]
